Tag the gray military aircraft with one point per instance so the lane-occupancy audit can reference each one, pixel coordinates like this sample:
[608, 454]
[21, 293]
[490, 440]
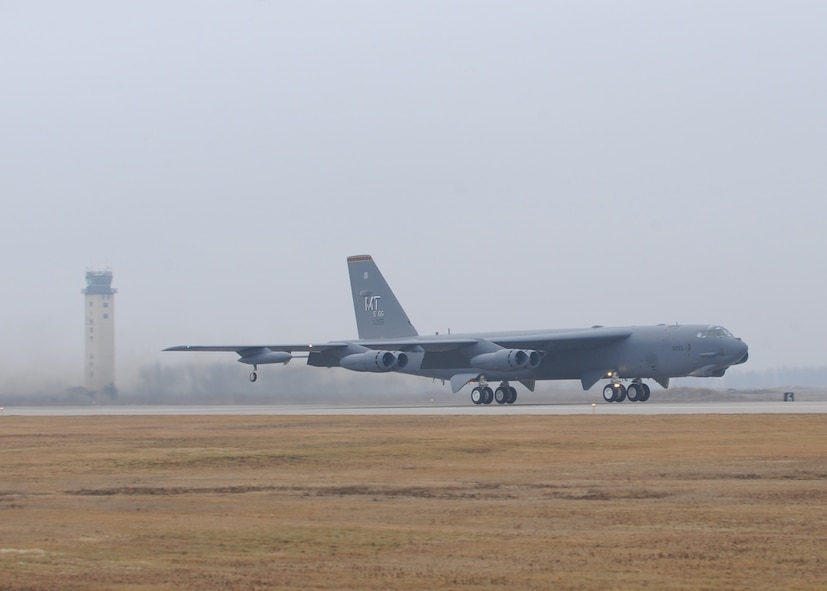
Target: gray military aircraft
[388, 342]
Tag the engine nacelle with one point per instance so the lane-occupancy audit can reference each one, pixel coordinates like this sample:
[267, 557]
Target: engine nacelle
[507, 360]
[376, 361]
[263, 356]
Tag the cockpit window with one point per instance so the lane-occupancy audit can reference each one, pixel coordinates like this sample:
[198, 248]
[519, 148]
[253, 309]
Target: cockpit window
[714, 332]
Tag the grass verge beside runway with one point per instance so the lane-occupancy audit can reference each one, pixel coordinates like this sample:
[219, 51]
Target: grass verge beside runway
[501, 502]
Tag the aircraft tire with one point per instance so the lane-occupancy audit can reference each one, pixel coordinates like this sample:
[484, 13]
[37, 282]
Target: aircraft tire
[620, 395]
[644, 396]
[634, 392]
[488, 395]
[253, 376]
[477, 395]
[501, 395]
[609, 393]
[512, 395]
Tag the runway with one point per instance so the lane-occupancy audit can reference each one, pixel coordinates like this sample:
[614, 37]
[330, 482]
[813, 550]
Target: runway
[605, 409]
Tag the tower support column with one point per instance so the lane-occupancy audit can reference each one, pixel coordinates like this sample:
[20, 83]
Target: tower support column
[99, 333]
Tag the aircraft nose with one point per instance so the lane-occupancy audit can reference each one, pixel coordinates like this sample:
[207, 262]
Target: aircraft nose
[740, 352]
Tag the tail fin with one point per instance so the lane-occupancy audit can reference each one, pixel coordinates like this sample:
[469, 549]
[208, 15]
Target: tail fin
[378, 312]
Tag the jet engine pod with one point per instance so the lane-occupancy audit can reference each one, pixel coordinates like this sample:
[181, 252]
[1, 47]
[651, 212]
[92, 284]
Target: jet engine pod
[401, 360]
[534, 358]
[506, 360]
[375, 361]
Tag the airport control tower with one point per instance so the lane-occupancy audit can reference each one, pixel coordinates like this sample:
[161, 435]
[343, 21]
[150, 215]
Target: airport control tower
[99, 332]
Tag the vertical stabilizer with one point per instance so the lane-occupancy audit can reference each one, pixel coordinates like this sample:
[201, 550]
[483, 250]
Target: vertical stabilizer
[378, 313]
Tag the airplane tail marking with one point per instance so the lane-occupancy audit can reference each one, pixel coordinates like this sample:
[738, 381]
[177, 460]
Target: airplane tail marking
[378, 312]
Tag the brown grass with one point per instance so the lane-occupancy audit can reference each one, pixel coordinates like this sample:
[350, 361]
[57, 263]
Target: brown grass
[552, 502]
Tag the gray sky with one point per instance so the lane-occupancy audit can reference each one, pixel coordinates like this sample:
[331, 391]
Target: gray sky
[508, 164]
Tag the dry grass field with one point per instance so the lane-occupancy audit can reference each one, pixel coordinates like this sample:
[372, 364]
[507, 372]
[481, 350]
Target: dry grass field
[531, 502]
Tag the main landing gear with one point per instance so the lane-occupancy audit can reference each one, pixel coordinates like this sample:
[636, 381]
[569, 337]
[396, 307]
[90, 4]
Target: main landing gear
[504, 394]
[617, 392]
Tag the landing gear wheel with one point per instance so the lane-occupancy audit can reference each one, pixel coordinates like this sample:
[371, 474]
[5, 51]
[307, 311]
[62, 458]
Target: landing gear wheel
[488, 395]
[645, 394]
[609, 393]
[477, 395]
[614, 393]
[502, 395]
[253, 376]
[512, 398]
[634, 392]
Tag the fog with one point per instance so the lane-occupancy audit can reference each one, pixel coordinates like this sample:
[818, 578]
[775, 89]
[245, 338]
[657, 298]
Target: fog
[508, 165]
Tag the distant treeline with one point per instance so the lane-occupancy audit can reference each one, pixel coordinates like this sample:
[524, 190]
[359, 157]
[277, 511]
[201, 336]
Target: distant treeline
[812, 377]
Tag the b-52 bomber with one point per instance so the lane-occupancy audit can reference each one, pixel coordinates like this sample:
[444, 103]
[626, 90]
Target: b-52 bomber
[388, 342]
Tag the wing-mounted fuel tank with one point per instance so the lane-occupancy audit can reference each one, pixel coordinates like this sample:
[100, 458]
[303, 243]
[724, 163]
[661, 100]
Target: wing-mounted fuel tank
[263, 356]
[375, 361]
[507, 360]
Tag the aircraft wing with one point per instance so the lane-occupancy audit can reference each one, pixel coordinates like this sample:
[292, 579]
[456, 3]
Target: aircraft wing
[427, 344]
[541, 341]
[289, 348]
[262, 354]
[433, 346]
[565, 340]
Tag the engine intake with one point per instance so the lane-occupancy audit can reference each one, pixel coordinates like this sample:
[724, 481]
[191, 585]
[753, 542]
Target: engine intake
[507, 360]
[375, 361]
